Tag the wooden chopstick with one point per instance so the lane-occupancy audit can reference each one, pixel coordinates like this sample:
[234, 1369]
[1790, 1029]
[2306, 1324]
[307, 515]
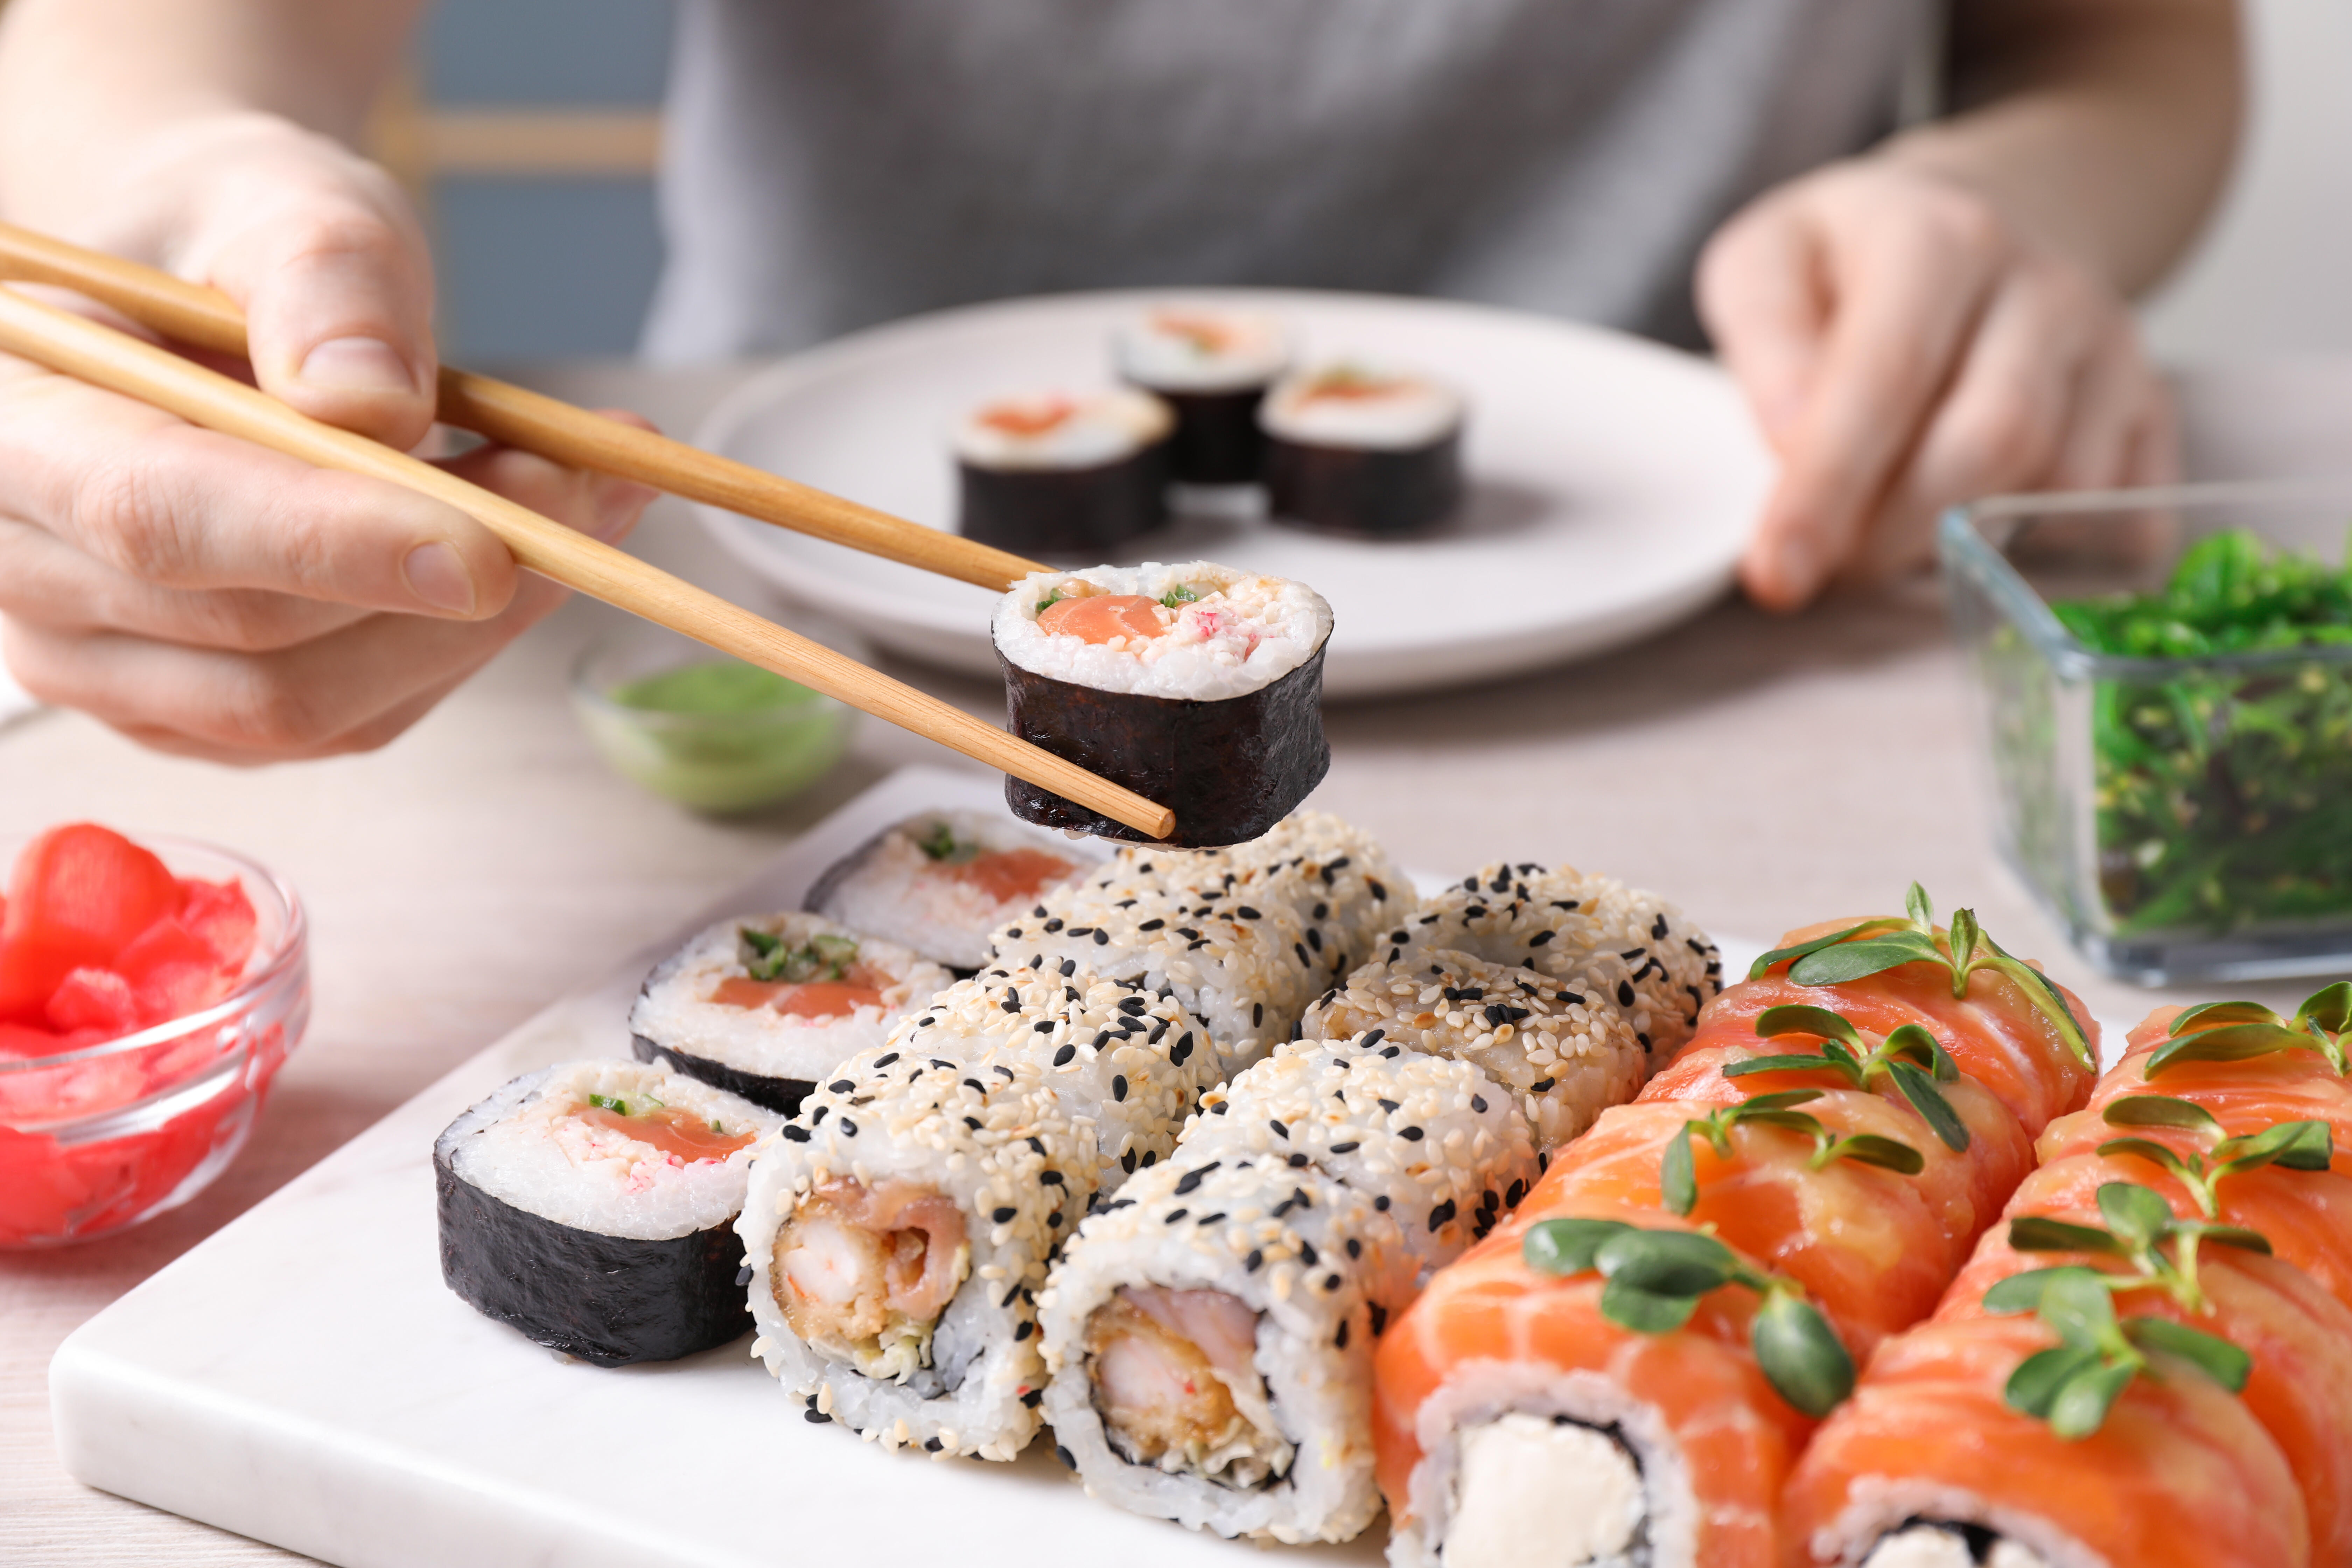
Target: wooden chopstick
[516, 417]
[93, 353]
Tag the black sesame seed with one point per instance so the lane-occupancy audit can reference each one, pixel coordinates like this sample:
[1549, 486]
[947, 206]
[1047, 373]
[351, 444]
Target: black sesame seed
[1541, 937]
[1517, 1191]
[1279, 1130]
[1012, 1002]
[1300, 948]
[1307, 1254]
[1339, 1340]
[1382, 1202]
[1081, 930]
[1257, 1014]
[885, 1061]
[816, 1418]
[972, 1123]
[1541, 1085]
[816, 1117]
[848, 1127]
[1102, 938]
[1374, 1038]
[1061, 1057]
[1153, 924]
[1032, 1397]
[1330, 1282]
[1388, 1105]
[931, 1445]
[1315, 939]
[1184, 1048]
[1412, 1134]
[742, 1276]
[1379, 1320]
[1254, 1261]
[1036, 1145]
[1024, 1330]
[1210, 1218]
[1070, 967]
[1440, 1216]
[1003, 1215]
[1355, 1247]
[1246, 912]
[1479, 1103]
[1658, 932]
[1349, 1147]
[1054, 925]
[1051, 1178]
[796, 1134]
[1624, 993]
[1159, 1030]
[1191, 1180]
[1127, 1162]
[1118, 1086]
[1174, 1216]
[840, 1085]
[1064, 1454]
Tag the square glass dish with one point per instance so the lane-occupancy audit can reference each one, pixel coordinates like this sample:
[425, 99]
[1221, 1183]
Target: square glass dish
[2168, 716]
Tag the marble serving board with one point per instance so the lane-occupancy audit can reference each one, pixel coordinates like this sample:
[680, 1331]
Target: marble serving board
[304, 1378]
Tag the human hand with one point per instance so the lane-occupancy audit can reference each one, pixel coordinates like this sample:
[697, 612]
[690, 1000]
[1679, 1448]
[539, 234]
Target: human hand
[218, 599]
[1906, 347]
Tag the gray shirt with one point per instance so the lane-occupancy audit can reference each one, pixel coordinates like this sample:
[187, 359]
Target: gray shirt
[838, 163]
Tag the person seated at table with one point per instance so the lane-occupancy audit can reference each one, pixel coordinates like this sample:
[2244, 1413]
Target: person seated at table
[1916, 315]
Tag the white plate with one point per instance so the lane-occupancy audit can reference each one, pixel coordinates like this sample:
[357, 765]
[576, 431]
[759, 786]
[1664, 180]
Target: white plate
[1613, 480]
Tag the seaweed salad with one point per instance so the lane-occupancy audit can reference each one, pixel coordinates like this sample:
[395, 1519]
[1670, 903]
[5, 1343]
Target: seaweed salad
[2225, 793]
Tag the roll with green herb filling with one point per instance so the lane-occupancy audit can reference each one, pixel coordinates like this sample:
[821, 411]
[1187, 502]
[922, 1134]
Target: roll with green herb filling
[1197, 686]
[1361, 450]
[939, 883]
[1213, 367]
[765, 1005]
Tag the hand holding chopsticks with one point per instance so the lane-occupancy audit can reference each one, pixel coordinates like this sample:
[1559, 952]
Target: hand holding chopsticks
[89, 351]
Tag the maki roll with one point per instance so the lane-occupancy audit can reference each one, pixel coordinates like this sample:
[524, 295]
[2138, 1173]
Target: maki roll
[591, 1207]
[765, 1005]
[1213, 367]
[939, 883]
[1055, 475]
[1195, 685]
[1373, 453]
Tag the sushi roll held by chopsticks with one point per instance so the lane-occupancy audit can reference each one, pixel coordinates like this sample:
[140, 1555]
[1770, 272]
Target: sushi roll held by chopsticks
[1195, 685]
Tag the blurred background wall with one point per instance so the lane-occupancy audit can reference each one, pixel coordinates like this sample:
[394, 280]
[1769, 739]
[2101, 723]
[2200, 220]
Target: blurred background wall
[532, 133]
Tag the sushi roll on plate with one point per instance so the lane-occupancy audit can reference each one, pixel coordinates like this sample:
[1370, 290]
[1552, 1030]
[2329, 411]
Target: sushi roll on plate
[1213, 367]
[939, 883]
[592, 1205]
[1057, 474]
[1195, 685]
[1360, 451]
[765, 1005]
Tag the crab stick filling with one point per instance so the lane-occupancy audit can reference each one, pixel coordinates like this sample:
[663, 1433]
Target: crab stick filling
[1534, 1491]
[1177, 1386]
[864, 1274]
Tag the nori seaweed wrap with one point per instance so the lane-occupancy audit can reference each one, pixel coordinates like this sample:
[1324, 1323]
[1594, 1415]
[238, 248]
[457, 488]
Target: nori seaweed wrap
[591, 1206]
[1194, 685]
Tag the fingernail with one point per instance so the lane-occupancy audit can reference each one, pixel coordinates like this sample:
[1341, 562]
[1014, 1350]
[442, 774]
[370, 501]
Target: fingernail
[358, 364]
[437, 577]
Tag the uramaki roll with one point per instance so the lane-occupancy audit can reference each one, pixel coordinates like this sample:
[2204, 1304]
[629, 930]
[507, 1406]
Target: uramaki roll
[1447, 1395]
[1212, 365]
[1061, 475]
[1194, 685]
[1362, 450]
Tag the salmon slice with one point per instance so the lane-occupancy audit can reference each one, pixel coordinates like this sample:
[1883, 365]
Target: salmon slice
[2298, 1335]
[2180, 1475]
[1099, 618]
[1734, 1438]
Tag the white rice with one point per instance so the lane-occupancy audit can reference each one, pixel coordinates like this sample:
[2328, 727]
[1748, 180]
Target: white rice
[675, 1012]
[1060, 430]
[526, 1146]
[1244, 632]
[894, 888]
[1180, 347]
[1383, 408]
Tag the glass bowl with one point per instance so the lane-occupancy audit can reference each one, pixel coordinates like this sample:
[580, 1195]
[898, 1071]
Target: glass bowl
[734, 760]
[2185, 819]
[95, 1141]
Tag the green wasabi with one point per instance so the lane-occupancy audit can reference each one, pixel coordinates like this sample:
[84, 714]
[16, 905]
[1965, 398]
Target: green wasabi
[719, 734]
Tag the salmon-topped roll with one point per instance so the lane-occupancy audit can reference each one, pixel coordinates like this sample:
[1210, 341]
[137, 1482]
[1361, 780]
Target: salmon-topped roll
[2173, 1251]
[1800, 1184]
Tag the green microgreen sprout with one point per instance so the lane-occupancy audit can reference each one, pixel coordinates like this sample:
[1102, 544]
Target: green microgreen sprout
[1888, 942]
[2289, 1145]
[1179, 595]
[1655, 1278]
[1910, 1058]
[2238, 1031]
[2073, 1385]
[939, 842]
[767, 957]
[1050, 600]
[1679, 1176]
[618, 1107]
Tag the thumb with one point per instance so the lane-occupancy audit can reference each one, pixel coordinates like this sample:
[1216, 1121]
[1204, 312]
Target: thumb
[336, 283]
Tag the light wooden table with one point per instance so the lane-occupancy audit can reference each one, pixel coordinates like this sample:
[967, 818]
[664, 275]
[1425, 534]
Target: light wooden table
[1760, 772]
